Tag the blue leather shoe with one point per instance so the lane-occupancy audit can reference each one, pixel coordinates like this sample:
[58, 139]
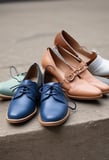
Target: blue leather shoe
[53, 105]
[23, 105]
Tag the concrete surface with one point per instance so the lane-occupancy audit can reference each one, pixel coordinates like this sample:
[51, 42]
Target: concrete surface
[26, 30]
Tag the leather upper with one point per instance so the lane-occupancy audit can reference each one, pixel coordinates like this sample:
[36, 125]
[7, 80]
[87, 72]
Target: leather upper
[81, 69]
[24, 102]
[6, 87]
[53, 103]
[68, 42]
[62, 72]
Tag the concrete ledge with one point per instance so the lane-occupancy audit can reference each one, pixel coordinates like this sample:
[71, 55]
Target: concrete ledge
[85, 136]
[79, 142]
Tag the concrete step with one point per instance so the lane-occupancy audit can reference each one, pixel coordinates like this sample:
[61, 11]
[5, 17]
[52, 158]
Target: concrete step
[85, 136]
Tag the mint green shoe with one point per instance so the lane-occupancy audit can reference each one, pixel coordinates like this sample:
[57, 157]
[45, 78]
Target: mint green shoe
[8, 88]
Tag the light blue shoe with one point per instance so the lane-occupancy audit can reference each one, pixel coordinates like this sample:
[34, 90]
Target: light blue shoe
[8, 88]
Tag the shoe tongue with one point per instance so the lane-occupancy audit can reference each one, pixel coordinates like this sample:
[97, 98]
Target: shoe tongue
[52, 83]
[26, 82]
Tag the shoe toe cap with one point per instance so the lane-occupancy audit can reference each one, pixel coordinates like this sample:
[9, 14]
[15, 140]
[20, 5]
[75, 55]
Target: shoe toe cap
[17, 112]
[53, 114]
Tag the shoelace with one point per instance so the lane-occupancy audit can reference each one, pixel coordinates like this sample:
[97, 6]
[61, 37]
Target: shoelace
[14, 87]
[70, 107]
[24, 89]
[53, 91]
[14, 69]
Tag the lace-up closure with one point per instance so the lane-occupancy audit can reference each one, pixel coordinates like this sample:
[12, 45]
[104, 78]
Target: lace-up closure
[53, 91]
[53, 105]
[23, 105]
[30, 90]
[23, 88]
[7, 87]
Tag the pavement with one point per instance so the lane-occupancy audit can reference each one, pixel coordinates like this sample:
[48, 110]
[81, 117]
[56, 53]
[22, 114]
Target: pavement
[26, 30]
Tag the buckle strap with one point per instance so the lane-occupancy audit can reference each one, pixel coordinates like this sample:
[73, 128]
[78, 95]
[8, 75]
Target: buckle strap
[71, 74]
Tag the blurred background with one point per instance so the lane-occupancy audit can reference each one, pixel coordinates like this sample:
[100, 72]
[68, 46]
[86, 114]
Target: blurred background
[27, 28]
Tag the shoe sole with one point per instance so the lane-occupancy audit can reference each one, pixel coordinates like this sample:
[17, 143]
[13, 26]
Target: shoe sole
[15, 121]
[85, 98]
[4, 97]
[55, 123]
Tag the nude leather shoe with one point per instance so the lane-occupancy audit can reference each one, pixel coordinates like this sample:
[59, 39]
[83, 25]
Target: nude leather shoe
[68, 42]
[97, 65]
[73, 85]
[82, 68]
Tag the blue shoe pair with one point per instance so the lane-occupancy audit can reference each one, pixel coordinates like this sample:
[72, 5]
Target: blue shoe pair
[53, 103]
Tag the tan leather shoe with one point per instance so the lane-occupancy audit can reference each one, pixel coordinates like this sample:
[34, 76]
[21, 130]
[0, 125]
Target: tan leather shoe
[66, 41]
[82, 68]
[73, 85]
[97, 65]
